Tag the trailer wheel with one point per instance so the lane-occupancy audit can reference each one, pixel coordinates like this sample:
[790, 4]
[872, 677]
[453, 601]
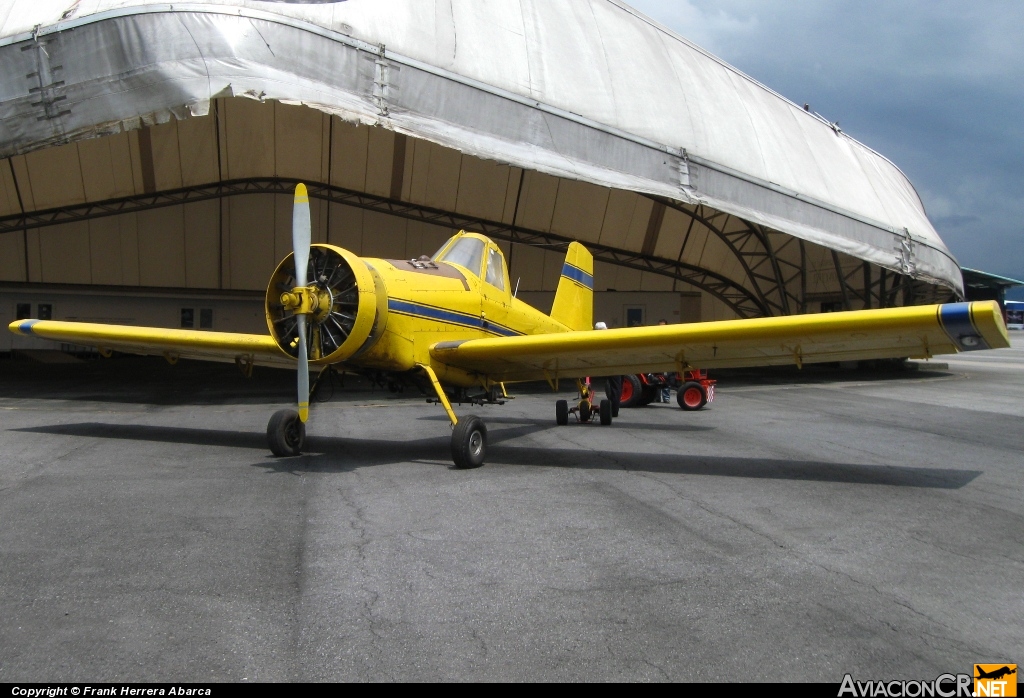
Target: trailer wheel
[606, 412]
[561, 413]
[585, 411]
[691, 396]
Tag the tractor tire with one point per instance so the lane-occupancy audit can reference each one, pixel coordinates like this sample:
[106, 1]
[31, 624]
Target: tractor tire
[692, 396]
[632, 389]
[648, 394]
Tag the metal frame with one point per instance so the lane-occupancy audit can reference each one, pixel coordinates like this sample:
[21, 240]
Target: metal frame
[743, 301]
[752, 247]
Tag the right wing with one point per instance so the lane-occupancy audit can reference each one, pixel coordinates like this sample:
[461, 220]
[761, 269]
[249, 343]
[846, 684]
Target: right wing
[189, 344]
[914, 331]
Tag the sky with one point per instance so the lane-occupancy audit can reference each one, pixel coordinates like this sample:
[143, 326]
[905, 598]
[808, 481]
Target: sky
[935, 86]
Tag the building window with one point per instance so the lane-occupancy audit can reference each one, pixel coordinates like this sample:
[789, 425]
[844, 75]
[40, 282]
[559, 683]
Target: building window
[23, 311]
[835, 307]
[206, 318]
[188, 317]
[45, 311]
[634, 317]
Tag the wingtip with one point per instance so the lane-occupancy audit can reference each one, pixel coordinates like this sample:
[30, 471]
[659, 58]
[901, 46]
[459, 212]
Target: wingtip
[22, 327]
[301, 195]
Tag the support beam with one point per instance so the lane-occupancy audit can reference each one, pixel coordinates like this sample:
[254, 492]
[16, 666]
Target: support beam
[741, 300]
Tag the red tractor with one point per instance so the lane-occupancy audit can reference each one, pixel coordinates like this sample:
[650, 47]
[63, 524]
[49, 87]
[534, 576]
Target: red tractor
[694, 389]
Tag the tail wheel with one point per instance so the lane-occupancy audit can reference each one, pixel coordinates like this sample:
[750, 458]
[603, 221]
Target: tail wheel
[691, 396]
[286, 434]
[469, 443]
[632, 389]
[606, 412]
[561, 413]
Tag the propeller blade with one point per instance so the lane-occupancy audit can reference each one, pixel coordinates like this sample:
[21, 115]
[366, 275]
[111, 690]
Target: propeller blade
[300, 233]
[300, 247]
[303, 372]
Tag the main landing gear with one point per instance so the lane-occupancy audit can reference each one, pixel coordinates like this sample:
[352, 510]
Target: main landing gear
[584, 409]
[286, 433]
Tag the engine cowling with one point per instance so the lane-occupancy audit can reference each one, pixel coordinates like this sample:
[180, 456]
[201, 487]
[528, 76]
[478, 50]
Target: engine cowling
[342, 302]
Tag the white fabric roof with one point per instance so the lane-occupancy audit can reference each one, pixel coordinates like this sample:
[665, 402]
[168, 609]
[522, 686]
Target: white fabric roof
[588, 89]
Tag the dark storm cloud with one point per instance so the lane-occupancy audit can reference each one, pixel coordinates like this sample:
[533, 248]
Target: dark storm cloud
[937, 87]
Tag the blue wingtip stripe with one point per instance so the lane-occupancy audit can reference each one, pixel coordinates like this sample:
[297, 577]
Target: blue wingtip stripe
[958, 323]
[578, 275]
[26, 327]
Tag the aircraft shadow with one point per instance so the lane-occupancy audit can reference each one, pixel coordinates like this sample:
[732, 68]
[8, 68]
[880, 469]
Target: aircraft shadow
[549, 423]
[335, 454]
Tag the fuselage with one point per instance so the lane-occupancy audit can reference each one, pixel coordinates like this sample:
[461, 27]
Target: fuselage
[425, 301]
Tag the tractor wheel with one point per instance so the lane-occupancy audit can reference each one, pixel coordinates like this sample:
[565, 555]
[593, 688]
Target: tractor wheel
[691, 396]
[632, 389]
[469, 443]
[286, 433]
[648, 394]
[561, 413]
[606, 412]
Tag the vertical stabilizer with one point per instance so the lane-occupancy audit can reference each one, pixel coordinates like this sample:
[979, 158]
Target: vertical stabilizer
[574, 299]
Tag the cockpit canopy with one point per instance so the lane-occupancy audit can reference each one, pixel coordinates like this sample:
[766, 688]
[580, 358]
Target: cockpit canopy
[477, 255]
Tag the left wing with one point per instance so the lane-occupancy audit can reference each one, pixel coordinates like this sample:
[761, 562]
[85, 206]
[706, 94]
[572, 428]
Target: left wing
[915, 331]
[190, 344]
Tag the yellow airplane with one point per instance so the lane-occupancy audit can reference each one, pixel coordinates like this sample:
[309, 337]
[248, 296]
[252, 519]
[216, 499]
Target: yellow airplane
[451, 319]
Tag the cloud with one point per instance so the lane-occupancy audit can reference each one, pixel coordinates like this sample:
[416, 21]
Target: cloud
[933, 85]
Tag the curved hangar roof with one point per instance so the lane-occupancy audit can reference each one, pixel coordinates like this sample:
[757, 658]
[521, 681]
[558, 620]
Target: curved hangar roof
[584, 89]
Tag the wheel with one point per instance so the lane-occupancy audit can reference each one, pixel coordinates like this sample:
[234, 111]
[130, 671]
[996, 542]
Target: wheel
[631, 391]
[469, 443]
[561, 413]
[606, 412]
[691, 396]
[648, 394]
[286, 433]
[585, 411]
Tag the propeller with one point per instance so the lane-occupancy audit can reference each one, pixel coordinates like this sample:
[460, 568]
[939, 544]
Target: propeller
[300, 249]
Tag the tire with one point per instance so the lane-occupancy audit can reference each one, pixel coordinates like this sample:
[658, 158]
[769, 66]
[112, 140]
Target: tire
[469, 443]
[561, 413]
[585, 411]
[691, 396]
[632, 389]
[286, 434]
[606, 412]
[648, 395]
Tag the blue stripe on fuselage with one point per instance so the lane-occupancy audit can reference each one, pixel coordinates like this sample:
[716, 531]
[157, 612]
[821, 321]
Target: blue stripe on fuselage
[955, 319]
[578, 275]
[454, 317]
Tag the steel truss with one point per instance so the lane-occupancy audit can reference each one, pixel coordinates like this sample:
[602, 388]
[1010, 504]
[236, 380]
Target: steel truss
[745, 302]
[769, 275]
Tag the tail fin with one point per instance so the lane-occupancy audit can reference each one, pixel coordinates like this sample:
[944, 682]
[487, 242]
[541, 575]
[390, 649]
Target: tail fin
[574, 299]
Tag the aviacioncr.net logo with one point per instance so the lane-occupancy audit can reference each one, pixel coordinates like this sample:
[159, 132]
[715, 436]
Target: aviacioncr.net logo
[945, 686]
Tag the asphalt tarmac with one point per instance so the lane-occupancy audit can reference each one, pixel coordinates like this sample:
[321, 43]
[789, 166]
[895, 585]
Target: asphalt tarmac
[804, 526]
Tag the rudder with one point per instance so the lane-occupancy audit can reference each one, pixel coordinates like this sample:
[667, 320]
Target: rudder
[574, 299]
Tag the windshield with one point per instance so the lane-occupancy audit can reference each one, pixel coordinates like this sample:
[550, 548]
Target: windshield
[466, 252]
[495, 270]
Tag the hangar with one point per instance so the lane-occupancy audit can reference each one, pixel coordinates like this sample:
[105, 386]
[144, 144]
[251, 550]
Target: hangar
[148, 151]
